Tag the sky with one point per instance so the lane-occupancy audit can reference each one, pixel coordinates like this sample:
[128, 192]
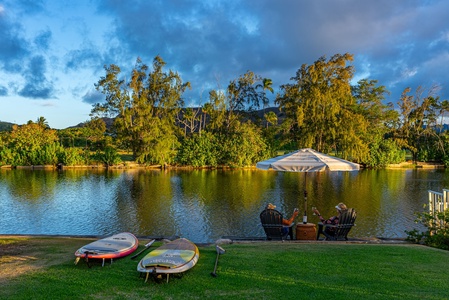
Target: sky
[52, 52]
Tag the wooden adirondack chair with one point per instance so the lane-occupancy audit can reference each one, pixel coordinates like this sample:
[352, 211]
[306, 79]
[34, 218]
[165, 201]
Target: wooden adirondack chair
[341, 230]
[271, 220]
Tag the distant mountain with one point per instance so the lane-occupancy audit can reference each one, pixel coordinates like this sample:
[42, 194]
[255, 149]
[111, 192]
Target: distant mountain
[255, 116]
[107, 121]
[6, 126]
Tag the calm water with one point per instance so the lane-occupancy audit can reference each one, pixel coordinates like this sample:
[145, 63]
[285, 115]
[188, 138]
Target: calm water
[204, 205]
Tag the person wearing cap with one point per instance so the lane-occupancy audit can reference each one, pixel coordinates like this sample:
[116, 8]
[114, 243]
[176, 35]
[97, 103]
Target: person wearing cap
[285, 222]
[340, 207]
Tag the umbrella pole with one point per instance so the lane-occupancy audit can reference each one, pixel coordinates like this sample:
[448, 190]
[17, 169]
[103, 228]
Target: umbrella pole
[304, 218]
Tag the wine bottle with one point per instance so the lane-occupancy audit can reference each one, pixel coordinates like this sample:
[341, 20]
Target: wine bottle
[304, 218]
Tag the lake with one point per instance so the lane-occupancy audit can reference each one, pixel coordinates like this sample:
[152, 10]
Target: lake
[204, 205]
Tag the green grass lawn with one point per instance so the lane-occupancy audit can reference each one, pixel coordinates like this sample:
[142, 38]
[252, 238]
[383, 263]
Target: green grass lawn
[43, 268]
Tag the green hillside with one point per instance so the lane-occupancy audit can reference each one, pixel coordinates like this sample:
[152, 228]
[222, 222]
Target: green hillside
[5, 126]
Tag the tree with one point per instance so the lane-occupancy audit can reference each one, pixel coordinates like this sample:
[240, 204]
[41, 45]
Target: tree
[189, 119]
[271, 118]
[369, 98]
[145, 109]
[216, 109]
[94, 130]
[206, 110]
[416, 130]
[321, 110]
[32, 144]
[381, 119]
[243, 95]
[41, 121]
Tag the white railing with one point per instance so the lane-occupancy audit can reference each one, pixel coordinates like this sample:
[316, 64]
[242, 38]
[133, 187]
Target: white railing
[438, 202]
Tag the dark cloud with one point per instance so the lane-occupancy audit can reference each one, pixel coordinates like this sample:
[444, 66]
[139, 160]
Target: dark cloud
[36, 90]
[37, 86]
[202, 41]
[93, 96]
[209, 43]
[43, 39]
[28, 6]
[84, 58]
[3, 91]
[13, 47]
[223, 39]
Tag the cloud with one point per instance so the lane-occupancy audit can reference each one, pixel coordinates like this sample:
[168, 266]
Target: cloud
[83, 58]
[202, 41]
[28, 6]
[206, 41]
[13, 47]
[36, 86]
[3, 91]
[54, 49]
[93, 96]
[43, 40]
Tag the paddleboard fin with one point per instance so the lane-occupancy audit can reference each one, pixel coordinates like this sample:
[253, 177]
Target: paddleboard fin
[86, 258]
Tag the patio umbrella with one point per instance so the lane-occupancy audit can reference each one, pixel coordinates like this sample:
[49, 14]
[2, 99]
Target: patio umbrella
[307, 160]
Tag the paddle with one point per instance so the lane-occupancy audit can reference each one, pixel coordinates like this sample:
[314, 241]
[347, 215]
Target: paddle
[146, 247]
[219, 251]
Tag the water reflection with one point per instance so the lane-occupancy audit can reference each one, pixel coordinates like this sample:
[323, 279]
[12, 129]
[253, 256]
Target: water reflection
[203, 205]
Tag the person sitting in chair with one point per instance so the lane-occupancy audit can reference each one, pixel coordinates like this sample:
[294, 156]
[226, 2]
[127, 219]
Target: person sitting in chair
[341, 207]
[286, 222]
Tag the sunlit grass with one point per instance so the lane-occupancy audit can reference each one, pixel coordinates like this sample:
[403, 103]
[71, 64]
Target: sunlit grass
[260, 270]
[126, 156]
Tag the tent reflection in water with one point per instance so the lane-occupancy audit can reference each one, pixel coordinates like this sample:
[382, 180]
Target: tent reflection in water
[307, 160]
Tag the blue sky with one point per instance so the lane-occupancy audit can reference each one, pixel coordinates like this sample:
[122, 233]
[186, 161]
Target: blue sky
[52, 52]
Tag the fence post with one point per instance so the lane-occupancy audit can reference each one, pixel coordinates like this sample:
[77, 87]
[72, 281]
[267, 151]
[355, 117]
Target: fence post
[445, 199]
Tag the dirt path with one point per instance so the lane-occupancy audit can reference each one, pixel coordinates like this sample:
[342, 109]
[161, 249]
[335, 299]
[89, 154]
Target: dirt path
[19, 255]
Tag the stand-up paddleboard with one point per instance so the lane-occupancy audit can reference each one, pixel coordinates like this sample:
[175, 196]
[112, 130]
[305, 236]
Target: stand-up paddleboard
[111, 247]
[174, 257]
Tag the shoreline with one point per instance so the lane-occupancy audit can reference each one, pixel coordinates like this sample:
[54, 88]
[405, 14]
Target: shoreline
[133, 165]
[224, 239]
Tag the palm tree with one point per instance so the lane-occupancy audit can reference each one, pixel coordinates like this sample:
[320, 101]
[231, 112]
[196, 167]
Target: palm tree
[271, 118]
[267, 83]
[41, 121]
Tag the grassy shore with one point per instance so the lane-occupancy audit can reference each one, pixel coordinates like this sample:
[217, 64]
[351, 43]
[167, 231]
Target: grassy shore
[43, 268]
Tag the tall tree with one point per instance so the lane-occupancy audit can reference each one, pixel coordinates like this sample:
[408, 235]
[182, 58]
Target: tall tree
[320, 108]
[380, 118]
[94, 131]
[145, 109]
[419, 118]
[244, 94]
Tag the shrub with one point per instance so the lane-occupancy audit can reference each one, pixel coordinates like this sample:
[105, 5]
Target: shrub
[385, 152]
[198, 150]
[6, 156]
[72, 156]
[46, 155]
[109, 156]
[437, 233]
[243, 147]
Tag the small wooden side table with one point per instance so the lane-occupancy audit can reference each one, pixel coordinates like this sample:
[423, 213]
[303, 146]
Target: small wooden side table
[306, 231]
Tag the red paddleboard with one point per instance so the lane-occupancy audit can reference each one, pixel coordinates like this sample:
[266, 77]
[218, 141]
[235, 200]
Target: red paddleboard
[115, 246]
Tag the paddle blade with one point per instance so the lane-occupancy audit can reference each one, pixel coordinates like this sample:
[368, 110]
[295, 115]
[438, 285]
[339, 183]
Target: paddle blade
[219, 249]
